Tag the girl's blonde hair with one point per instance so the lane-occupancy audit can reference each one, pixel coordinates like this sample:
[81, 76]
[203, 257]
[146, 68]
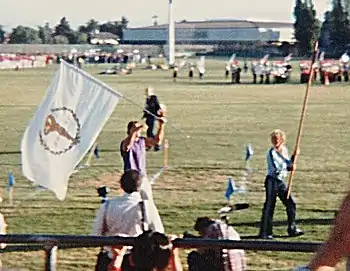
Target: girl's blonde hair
[278, 133]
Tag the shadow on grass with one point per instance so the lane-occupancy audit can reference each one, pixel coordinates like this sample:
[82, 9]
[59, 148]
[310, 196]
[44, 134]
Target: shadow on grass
[243, 83]
[253, 237]
[303, 221]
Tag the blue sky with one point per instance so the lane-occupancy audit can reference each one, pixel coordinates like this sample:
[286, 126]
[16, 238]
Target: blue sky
[140, 12]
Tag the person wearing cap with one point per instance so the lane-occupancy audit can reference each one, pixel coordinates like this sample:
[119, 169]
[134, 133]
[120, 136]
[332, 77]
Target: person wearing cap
[210, 259]
[151, 112]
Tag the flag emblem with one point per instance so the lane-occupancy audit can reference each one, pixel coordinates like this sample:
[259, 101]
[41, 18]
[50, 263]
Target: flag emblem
[61, 131]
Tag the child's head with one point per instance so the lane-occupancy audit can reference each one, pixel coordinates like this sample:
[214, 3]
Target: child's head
[278, 138]
[151, 251]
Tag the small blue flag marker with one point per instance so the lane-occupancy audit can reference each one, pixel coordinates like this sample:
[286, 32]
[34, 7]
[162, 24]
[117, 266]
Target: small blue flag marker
[11, 179]
[230, 188]
[248, 152]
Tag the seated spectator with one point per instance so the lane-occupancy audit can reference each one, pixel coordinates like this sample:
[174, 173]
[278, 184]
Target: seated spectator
[337, 247]
[216, 259]
[124, 215]
[152, 251]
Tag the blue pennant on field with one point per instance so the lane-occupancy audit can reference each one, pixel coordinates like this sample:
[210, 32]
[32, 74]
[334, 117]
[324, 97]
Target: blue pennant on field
[11, 180]
[232, 188]
[248, 152]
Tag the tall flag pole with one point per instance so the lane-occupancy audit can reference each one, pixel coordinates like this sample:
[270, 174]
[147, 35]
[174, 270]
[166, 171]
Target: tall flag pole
[171, 37]
[302, 117]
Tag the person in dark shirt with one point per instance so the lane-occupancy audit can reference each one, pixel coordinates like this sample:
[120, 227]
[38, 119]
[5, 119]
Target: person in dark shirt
[152, 106]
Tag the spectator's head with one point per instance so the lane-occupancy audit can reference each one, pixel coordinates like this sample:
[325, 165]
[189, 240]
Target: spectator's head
[130, 181]
[151, 251]
[202, 223]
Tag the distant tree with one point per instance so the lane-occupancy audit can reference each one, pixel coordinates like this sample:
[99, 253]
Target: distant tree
[122, 26]
[325, 40]
[90, 27]
[306, 26]
[2, 34]
[83, 38]
[116, 27]
[63, 28]
[59, 39]
[45, 33]
[24, 35]
[346, 5]
[110, 27]
[338, 25]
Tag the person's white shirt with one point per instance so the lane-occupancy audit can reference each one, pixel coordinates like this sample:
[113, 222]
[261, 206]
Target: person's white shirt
[3, 227]
[124, 217]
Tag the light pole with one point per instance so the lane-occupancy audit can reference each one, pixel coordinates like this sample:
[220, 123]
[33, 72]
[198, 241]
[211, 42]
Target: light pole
[171, 36]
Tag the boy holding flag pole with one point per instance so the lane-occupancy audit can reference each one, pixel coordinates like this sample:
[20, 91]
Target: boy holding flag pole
[278, 165]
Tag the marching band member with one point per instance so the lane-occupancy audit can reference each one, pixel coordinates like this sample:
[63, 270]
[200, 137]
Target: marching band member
[152, 106]
[191, 71]
[175, 70]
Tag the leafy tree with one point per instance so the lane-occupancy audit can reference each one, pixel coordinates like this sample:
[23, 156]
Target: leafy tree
[110, 27]
[346, 5]
[82, 38]
[59, 39]
[45, 33]
[63, 28]
[90, 27]
[2, 34]
[338, 25]
[116, 28]
[307, 26]
[325, 31]
[24, 35]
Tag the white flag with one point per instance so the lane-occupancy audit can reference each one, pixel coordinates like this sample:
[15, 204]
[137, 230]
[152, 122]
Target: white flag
[65, 126]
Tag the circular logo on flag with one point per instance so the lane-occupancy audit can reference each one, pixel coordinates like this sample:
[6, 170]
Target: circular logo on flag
[61, 131]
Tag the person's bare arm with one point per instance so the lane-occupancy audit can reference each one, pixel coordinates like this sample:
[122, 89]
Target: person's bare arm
[338, 244]
[175, 260]
[129, 141]
[159, 136]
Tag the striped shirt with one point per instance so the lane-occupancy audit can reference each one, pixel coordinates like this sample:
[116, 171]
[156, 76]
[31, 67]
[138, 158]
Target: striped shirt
[278, 163]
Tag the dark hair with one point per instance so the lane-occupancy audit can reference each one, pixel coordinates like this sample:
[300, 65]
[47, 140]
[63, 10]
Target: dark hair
[151, 250]
[130, 181]
[130, 125]
[202, 223]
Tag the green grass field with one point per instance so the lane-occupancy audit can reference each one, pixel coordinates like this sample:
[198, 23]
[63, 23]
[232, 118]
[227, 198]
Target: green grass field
[220, 119]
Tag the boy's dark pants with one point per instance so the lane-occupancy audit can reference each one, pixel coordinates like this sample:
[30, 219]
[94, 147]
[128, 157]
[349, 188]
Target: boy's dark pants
[274, 188]
[150, 123]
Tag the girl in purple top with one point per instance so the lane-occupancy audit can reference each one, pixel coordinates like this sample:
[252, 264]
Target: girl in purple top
[133, 151]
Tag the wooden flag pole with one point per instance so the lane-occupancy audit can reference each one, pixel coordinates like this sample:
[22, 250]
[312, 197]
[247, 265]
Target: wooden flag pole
[303, 111]
[11, 196]
[166, 153]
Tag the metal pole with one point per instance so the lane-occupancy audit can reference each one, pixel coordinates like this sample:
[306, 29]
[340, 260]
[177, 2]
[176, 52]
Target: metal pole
[50, 258]
[171, 37]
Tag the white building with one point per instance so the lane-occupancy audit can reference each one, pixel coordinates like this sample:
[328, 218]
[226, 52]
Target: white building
[212, 32]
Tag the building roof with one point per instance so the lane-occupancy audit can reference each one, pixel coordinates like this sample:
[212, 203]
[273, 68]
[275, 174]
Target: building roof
[220, 24]
[104, 36]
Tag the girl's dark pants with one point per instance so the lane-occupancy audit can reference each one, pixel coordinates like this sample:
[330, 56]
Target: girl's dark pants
[274, 188]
